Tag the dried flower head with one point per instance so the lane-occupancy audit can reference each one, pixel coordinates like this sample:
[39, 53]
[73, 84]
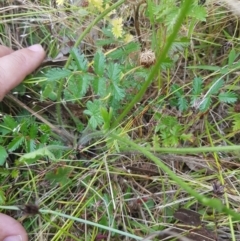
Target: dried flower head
[84, 3]
[237, 107]
[30, 209]
[147, 58]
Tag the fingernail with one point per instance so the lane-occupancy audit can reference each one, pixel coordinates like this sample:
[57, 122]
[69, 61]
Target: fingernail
[13, 238]
[36, 48]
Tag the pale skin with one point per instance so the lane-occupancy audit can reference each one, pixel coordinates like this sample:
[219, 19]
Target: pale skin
[14, 67]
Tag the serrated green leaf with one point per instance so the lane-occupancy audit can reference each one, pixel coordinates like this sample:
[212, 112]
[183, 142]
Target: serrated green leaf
[15, 173]
[205, 104]
[99, 63]
[236, 122]
[93, 110]
[232, 57]
[55, 74]
[77, 86]
[114, 72]
[198, 12]
[227, 97]
[81, 61]
[24, 127]
[60, 175]
[9, 122]
[102, 42]
[182, 103]
[99, 86]
[48, 92]
[30, 145]
[197, 86]
[171, 18]
[117, 92]
[179, 45]
[215, 87]
[15, 143]
[33, 131]
[124, 51]
[3, 155]
[85, 82]
[177, 90]
[167, 63]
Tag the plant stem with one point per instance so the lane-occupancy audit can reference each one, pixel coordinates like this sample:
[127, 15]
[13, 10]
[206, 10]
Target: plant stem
[160, 59]
[216, 204]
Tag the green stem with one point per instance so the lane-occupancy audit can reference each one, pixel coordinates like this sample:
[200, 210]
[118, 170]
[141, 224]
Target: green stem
[213, 203]
[193, 150]
[79, 40]
[79, 220]
[160, 59]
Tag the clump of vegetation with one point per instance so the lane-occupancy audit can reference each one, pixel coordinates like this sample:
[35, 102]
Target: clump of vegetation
[130, 124]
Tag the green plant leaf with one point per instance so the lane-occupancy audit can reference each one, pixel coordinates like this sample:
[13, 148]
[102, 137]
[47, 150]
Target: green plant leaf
[177, 90]
[41, 152]
[197, 86]
[182, 103]
[8, 125]
[77, 86]
[2, 197]
[15, 173]
[117, 92]
[205, 104]
[113, 72]
[99, 63]
[33, 131]
[60, 175]
[55, 74]
[48, 91]
[93, 110]
[30, 145]
[232, 56]
[198, 12]
[3, 155]
[107, 116]
[80, 60]
[215, 87]
[99, 86]
[227, 97]
[124, 51]
[179, 45]
[15, 143]
[236, 122]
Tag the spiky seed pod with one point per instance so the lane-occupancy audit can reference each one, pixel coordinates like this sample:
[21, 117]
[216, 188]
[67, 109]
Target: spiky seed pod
[84, 3]
[147, 58]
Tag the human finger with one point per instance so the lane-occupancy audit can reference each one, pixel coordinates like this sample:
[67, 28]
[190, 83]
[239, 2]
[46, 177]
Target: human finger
[5, 50]
[11, 230]
[17, 65]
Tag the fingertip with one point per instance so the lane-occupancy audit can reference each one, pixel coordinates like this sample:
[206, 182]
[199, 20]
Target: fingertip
[11, 229]
[16, 66]
[36, 48]
[13, 238]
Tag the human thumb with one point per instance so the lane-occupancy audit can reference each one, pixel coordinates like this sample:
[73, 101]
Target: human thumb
[11, 230]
